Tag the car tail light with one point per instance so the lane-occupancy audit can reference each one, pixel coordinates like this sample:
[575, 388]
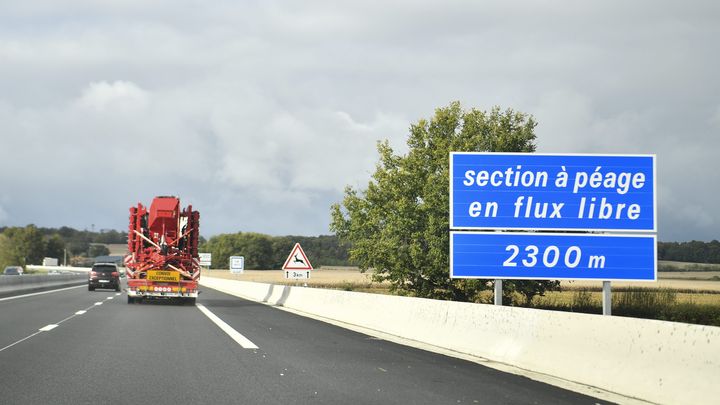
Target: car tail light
[93, 274]
[115, 274]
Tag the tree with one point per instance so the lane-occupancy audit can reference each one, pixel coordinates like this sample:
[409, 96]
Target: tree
[55, 247]
[7, 257]
[399, 225]
[23, 245]
[97, 249]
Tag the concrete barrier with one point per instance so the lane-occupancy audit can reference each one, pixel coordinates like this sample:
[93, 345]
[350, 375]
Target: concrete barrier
[62, 269]
[662, 362]
[30, 282]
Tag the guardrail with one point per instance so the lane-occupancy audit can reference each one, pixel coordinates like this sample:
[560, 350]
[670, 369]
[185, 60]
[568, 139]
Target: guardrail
[662, 362]
[28, 282]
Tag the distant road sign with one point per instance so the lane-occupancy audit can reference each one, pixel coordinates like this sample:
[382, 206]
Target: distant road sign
[552, 192]
[237, 264]
[297, 260]
[205, 259]
[553, 256]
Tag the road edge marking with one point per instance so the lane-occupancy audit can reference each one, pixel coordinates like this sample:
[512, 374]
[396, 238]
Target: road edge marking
[235, 335]
[40, 293]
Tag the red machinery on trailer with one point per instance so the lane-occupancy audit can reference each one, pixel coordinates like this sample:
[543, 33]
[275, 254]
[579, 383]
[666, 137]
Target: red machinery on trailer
[163, 251]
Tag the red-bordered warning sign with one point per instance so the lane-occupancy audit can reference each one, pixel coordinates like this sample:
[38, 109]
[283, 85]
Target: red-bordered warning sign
[297, 260]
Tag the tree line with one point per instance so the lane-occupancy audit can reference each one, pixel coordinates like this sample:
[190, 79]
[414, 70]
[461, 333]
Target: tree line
[20, 246]
[264, 252]
[694, 251]
[30, 244]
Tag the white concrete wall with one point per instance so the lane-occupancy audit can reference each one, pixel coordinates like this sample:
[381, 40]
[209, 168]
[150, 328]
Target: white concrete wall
[663, 362]
[62, 269]
[17, 284]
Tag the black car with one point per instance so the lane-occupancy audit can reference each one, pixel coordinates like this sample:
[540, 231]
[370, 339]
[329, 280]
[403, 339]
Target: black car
[104, 275]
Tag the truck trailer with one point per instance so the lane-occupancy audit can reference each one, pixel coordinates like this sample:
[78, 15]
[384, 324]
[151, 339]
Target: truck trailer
[162, 260]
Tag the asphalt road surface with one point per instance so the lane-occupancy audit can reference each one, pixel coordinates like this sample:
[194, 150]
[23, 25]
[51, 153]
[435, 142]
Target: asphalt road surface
[94, 348]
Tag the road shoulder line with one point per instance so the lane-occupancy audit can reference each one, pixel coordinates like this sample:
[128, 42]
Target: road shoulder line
[235, 335]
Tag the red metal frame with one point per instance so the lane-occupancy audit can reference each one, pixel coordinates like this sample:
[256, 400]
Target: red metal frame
[163, 238]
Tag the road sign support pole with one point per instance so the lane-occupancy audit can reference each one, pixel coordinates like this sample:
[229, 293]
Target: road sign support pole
[607, 298]
[498, 292]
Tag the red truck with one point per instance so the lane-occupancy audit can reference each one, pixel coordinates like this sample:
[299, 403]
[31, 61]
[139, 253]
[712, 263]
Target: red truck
[162, 260]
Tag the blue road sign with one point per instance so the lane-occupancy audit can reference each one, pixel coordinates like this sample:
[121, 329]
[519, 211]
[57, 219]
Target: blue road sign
[552, 192]
[553, 256]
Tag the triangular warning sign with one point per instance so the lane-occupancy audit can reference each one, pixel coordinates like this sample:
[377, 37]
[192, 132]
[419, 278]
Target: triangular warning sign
[297, 260]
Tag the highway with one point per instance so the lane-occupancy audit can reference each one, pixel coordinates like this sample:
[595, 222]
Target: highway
[79, 347]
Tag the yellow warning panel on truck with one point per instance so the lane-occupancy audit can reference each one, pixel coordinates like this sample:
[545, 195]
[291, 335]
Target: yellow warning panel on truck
[167, 276]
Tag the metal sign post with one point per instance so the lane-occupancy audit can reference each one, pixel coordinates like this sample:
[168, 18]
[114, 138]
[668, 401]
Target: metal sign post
[607, 298]
[498, 292]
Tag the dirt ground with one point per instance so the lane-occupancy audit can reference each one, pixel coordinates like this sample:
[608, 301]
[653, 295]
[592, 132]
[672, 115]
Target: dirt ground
[333, 276]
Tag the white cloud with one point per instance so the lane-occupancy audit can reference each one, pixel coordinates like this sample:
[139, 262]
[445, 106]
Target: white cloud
[118, 96]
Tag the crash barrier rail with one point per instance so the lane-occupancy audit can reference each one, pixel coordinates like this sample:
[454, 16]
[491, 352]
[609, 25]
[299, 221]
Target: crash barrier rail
[657, 361]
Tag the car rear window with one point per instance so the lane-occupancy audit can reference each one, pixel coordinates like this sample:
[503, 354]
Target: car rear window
[104, 269]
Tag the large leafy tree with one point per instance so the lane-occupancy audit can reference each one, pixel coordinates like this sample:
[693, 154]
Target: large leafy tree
[55, 247]
[399, 225]
[22, 246]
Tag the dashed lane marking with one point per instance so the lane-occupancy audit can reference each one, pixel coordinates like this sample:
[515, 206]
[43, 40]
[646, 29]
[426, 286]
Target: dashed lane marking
[51, 326]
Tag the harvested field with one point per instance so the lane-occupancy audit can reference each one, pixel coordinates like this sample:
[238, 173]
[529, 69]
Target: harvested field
[346, 278]
[686, 266]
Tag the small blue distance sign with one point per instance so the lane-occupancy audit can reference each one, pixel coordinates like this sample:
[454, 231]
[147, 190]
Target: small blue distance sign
[552, 192]
[237, 264]
[553, 256]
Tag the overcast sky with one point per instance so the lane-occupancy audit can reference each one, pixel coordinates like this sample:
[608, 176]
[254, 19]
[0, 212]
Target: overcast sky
[259, 113]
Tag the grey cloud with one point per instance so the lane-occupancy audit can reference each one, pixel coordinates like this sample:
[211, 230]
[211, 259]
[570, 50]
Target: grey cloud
[259, 113]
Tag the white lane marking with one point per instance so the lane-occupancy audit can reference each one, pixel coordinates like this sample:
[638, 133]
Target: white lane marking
[235, 335]
[51, 326]
[109, 298]
[116, 294]
[39, 293]
[20, 341]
